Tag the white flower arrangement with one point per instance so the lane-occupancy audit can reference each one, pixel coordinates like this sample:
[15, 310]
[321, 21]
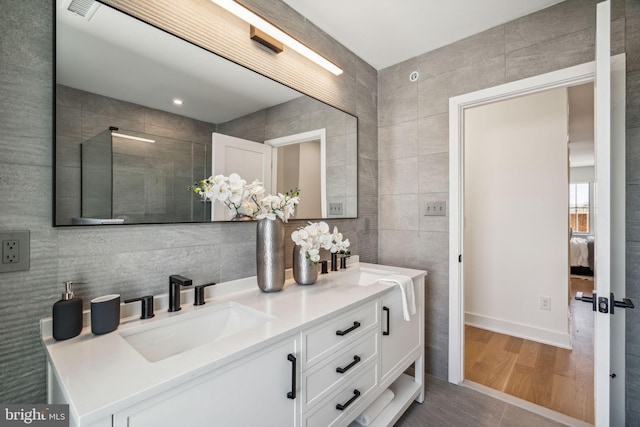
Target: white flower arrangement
[316, 236]
[282, 206]
[247, 199]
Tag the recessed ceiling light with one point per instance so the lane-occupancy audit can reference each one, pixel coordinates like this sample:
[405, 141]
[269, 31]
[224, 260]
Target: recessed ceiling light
[177, 101]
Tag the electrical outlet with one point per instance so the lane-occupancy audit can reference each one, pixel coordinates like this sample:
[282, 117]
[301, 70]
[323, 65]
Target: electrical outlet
[335, 208]
[10, 251]
[435, 208]
[545, 303]
[15, 251]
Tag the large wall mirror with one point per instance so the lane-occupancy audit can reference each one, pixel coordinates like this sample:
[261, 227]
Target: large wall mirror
[137, 111]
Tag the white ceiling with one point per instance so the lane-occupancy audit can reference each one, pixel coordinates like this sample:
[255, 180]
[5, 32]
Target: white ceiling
[386, 32]
[140, 64]
[117, 56]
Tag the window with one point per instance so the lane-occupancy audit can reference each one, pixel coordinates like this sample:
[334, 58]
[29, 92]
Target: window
[579, 207]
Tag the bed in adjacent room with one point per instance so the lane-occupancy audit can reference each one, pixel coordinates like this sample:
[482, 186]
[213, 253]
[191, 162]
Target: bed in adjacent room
[581, 254]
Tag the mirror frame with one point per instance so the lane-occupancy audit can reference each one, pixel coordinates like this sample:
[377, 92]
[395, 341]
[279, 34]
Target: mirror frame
[209, 51]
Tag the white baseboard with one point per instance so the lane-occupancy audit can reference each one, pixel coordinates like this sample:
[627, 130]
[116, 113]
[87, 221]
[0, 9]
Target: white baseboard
[544, 336]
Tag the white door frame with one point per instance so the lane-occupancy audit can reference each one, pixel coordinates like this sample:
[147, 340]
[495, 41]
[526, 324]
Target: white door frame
[579, 74]
[457, 105]
[312, 135]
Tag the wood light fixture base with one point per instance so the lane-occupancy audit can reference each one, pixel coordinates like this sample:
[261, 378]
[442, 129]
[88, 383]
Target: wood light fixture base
[266, 40]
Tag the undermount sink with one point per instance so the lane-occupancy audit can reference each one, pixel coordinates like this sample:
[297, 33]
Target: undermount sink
[364, 276]
[179, 333]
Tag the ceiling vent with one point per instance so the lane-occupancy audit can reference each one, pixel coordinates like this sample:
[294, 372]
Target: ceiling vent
[83, 8]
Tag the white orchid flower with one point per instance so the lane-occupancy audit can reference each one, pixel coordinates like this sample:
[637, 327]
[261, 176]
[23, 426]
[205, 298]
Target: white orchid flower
[323, 227]
[256, 187]
[247, 199]
[221, 191]
[267, 215]
[314, 255]
[218, 179]
[325, 241]
[234, 178]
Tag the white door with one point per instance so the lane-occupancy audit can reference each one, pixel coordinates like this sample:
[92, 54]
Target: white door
[251, 160]
[609, 206]
[610, 221]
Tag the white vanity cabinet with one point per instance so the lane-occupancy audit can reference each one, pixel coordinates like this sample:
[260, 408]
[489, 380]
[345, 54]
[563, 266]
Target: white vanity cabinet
[340, 367]
[401, 340]
[325, 354]
[255, 391]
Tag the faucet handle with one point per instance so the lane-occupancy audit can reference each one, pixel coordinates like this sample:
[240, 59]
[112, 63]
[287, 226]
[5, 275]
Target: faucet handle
[147, 306]
[199, 294]
[181, 280]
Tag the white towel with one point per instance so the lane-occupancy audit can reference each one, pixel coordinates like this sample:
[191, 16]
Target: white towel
[408, 298]
[375, 408]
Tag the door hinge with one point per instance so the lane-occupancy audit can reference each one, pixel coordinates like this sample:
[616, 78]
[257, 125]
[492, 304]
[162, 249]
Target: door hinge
[459, 258]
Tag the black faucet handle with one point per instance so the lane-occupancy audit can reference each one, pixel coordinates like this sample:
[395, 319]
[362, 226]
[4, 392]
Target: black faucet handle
[147, 306]
[199, 293]
[181, 280]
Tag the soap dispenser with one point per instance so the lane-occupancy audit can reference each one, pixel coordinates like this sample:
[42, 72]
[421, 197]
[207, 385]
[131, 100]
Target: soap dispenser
[67, 314]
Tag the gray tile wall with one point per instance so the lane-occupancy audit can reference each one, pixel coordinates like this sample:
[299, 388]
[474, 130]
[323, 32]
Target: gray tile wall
[413, 145]
[135, 260]
[82, 115]
[632, 47]
[305, 114]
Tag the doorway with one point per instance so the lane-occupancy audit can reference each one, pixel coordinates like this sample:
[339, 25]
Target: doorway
[518, 338]
[563, 78]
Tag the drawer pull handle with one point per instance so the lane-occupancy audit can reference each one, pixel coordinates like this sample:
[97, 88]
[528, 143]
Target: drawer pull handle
[341, 407]
[340, 370]
[356, 325]
[388, 311]
[292, 394]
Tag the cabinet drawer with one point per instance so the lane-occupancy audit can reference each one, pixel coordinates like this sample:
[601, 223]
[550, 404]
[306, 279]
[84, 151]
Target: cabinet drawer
[322, 379]
[324, 339]
[328, 415]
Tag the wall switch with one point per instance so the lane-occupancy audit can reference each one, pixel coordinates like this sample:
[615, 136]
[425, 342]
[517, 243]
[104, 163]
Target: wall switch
[435, 208]
[15, 251]
[335, 208]
[545, 303]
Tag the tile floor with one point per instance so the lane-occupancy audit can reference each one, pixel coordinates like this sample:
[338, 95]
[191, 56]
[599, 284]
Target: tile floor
[457, 406]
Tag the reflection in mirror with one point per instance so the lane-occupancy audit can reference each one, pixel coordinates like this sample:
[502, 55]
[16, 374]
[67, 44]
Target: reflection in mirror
[299, 161]
[129, 79]
[136, 177]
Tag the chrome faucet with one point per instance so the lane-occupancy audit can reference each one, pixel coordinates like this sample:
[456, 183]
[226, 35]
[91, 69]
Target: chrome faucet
[175, 282]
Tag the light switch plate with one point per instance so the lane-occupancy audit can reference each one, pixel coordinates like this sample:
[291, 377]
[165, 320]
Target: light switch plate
[435, 208]
[335, 208]
[15, 251]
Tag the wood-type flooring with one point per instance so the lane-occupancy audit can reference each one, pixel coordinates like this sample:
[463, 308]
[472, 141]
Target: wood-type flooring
[553, 377]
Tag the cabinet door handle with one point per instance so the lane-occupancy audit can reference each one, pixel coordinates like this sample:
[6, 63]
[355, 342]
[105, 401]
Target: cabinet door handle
[388, 321]
[340, 370]
[356, 325]
[341, 407]
[292, 394]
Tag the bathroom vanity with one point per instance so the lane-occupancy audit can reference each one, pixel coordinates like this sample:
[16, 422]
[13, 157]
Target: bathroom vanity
[307, 356]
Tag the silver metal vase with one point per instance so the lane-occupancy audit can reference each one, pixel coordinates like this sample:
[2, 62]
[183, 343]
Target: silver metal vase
[305, 272]
[270, 255]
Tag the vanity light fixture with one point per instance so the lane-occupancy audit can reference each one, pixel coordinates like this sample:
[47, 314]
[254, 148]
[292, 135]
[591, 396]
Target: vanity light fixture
[265, 39]
[134, 138]
[272, 31]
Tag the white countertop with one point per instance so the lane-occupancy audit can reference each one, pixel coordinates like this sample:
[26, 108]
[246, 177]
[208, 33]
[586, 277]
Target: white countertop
[103, 374]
